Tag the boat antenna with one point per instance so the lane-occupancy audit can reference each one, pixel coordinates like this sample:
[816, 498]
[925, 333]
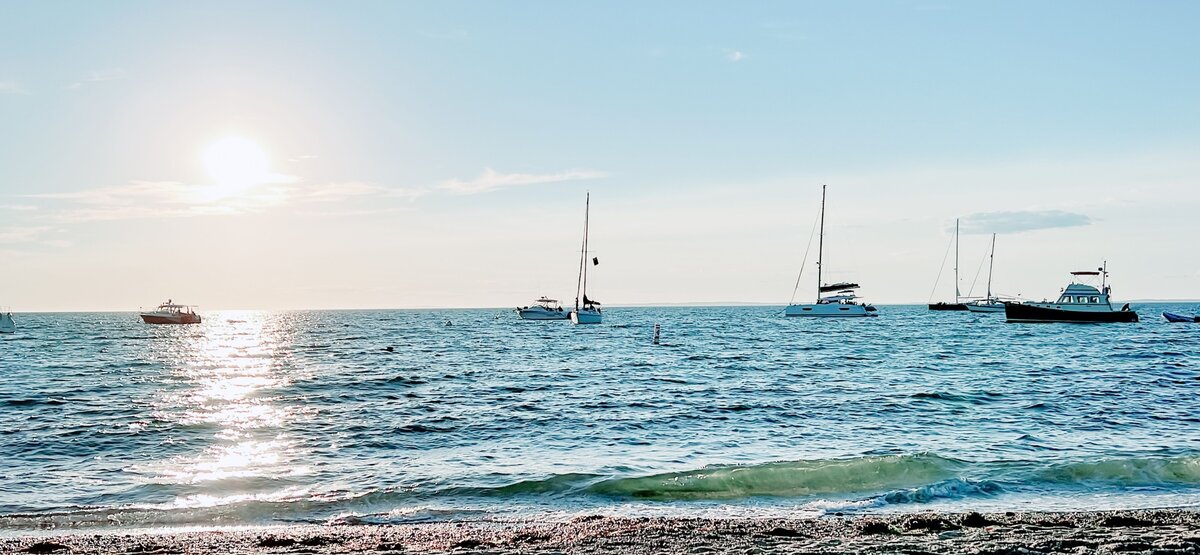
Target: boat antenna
[1104, 277]
[821, 245]
[804, 261]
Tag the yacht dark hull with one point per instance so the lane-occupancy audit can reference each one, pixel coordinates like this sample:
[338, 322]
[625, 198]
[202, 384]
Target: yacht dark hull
[1016, 312]
[948, 306]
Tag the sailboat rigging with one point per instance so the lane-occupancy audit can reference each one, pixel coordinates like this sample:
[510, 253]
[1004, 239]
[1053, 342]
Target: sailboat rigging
[842, 303]
[587, 312]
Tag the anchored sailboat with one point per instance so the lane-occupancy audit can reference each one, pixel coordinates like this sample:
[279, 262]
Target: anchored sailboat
[843, 302]
[989, 303]
[589, 311]
[957, 304]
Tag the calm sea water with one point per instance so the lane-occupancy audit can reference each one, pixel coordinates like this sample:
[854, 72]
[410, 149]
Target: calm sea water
[269, 417]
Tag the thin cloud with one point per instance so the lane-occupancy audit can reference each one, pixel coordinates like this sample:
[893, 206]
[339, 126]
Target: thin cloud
[735, 56]
[26, 234]
[491, 180]
[1021, 220]
[174, 199]
[98, 76]
[11, 87]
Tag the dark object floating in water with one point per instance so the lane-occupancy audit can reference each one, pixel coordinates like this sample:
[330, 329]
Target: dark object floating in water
[1172, 317]
[389, 349]
[948, 306]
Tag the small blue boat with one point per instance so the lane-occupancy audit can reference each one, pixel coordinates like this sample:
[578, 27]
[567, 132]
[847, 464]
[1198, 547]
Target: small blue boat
[1172, 317]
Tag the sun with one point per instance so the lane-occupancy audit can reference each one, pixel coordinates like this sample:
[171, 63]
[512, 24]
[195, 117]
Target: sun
[236, 163]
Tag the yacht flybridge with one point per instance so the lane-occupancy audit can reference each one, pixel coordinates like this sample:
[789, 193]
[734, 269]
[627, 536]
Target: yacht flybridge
[171, 313]
[836, 300]
[1079, 302]
[544, 308]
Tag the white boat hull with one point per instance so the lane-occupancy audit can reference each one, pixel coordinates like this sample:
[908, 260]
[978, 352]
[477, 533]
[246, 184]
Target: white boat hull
[538, 313]
[586, 316]
[6, 324]
[997, 307]
[830, 310]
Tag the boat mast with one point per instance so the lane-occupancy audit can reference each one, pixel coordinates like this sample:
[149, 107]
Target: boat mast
[821, 245]
[991, 263]
[956, 292]
[581, 281]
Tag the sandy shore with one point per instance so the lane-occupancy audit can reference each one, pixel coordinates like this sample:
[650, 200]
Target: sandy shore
[1158, 532]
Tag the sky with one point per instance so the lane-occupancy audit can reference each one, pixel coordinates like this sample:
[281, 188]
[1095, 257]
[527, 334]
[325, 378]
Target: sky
[292, 155]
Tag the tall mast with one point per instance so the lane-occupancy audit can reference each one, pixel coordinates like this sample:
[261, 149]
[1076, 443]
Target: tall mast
[956, 292]
[991, 264]
[821, 245]
[581, 281]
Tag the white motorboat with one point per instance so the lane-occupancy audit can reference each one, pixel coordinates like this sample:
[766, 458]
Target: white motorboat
[587, 312]
[544, 308]
[842, 303]
[7, 325]
[988, 303]
[171, 313]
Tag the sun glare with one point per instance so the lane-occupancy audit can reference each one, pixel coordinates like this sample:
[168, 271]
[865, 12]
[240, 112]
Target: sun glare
[236, 163]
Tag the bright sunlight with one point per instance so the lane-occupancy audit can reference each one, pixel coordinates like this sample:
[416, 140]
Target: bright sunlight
[236, 163]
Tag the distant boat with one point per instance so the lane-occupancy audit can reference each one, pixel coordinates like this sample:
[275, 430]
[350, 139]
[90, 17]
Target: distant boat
[843, 303]
[7, 325]
[988, 303]
[544, 308]
[957, 305]
[589, 311]
[1079, 303]
[1179, 318]
[171, 313]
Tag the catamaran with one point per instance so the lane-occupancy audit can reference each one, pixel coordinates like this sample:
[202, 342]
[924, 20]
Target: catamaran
[843, 303]
[957, 304]
[589, 311]
[989, 303]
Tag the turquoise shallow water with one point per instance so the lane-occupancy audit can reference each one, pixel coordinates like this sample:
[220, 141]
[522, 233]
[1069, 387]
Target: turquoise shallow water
[268, 417]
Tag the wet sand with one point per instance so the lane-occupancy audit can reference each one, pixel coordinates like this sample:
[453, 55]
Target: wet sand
[1158, 532]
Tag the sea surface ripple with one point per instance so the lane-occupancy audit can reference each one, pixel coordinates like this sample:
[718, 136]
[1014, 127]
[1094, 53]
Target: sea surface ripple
[268, 417]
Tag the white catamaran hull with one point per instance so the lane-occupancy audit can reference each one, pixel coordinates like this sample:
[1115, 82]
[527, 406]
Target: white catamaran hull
[539, 313]
[586, 316]
[997, 307]
[829, 310]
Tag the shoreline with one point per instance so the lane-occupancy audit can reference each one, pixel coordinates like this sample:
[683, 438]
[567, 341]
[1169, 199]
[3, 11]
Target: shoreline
[1162, 531]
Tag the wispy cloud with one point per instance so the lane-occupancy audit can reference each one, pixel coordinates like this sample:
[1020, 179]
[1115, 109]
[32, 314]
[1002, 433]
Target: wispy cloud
[491, 180]
[98, 76]
[22, 234]
[735, 56]
[1021, 220]
[12, 87]
[173, 199]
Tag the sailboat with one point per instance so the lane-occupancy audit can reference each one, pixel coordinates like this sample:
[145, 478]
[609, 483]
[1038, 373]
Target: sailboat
[843, 302]
[957, 304]
[589, 311]
[988, 303]
[7, 325]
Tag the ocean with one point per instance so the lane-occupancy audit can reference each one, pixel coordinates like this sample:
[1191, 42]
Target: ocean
[258, 418]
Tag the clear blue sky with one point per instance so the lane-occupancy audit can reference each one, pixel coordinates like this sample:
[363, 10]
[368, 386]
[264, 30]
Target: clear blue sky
[436, 153]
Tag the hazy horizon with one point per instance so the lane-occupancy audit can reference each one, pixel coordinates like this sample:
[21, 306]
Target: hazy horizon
[384, 155]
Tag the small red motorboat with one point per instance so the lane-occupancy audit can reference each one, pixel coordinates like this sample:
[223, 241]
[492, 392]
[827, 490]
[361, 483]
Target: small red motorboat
[171, 313]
